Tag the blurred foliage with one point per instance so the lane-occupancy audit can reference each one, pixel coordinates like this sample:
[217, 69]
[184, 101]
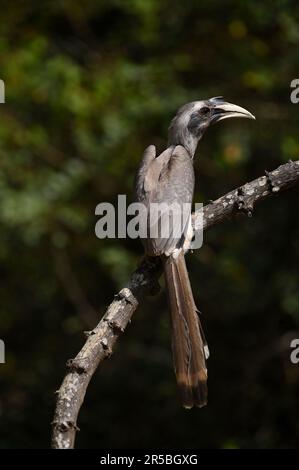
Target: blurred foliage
[88, 86]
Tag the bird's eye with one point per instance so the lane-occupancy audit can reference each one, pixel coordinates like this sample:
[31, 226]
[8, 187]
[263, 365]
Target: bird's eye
[204, 111]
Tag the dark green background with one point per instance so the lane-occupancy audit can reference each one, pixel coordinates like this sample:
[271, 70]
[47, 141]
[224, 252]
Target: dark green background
[88, 86]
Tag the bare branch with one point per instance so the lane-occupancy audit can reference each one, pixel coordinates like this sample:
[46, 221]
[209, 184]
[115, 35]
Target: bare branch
[100, 341]
[244, 198]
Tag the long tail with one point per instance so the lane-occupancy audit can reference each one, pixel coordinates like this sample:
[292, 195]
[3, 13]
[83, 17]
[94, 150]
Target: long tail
[189, 346]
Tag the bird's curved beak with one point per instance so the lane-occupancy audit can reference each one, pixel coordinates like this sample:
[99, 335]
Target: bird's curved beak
[228, 110]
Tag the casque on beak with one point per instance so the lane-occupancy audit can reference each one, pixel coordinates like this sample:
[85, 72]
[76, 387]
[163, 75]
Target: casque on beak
[223, 110]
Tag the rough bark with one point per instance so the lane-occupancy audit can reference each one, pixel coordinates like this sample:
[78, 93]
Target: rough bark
[100, 341]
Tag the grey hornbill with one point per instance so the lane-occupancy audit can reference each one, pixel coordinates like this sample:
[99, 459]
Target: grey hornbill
[169, 178]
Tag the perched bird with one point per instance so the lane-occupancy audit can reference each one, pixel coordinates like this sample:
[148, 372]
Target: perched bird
[166, 179]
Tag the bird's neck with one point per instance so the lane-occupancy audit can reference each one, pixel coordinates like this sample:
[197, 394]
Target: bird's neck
[186, 139]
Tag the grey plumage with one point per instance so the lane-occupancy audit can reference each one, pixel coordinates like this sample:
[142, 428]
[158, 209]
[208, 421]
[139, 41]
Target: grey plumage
[189, 347]
[169, 178]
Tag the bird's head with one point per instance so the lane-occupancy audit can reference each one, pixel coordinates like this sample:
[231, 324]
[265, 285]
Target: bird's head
[192, 120]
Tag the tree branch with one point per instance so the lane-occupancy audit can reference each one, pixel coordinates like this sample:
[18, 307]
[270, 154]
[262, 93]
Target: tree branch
[244, 198]
[144, 280]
